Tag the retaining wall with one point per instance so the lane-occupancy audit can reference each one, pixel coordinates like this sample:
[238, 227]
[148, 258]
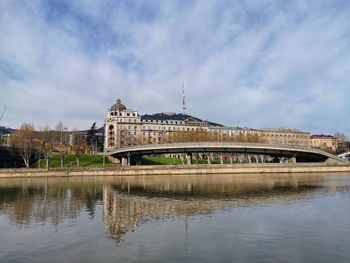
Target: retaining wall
[180, 170]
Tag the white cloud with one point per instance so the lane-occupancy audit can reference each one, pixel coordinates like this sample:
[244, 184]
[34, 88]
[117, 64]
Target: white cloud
[258, 64]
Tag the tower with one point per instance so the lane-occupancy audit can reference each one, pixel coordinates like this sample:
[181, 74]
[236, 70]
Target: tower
[183, 99]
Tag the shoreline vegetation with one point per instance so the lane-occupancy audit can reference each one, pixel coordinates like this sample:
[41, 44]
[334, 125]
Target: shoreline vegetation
[95, 160]
[69, 161]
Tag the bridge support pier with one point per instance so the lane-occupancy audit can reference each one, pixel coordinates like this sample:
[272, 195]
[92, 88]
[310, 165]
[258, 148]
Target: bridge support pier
[292, 160]
[189, 158]
[124, 161]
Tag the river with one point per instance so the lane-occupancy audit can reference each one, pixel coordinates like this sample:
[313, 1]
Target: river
[214, 218]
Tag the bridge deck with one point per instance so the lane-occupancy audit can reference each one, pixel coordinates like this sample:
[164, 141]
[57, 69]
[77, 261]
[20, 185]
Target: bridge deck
[301, 153]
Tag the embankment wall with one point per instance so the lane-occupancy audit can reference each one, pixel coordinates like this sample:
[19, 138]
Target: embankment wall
[180, 170]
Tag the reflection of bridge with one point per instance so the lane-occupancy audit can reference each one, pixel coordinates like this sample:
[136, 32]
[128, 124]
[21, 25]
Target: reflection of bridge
[133, 154]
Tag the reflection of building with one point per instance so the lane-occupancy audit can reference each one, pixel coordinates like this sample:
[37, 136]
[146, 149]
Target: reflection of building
[130, 201]
[126, 127]
[124, 213]
[286, 136]
[324, 142]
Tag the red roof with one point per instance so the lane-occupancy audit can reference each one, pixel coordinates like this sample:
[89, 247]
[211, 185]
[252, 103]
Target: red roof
[322, 136]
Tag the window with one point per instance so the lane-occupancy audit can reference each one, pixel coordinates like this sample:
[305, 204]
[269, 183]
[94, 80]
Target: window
[111, 137]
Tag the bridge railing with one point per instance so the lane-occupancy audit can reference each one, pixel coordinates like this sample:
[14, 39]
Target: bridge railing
[217, 143]
[207, 145]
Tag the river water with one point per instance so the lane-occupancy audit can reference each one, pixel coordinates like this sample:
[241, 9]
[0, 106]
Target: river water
[214, 218]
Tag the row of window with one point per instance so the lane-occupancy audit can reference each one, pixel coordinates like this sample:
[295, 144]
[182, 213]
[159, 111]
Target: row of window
[286, 136]
[164, 122]
[315, 142]
[116, 113]
[300, 142]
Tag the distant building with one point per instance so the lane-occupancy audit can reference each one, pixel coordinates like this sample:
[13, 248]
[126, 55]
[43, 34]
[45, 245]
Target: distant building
[324, 142]
[285, 136]
[5, 134]
[126, 127]
[238, 133]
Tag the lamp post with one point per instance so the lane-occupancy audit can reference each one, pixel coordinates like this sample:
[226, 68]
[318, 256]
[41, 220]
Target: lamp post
[104, 158]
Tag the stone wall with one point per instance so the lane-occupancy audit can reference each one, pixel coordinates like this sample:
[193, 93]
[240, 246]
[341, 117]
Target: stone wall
[181, 170]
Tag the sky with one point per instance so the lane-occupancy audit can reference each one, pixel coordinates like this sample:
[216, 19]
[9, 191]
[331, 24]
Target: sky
[249, 63]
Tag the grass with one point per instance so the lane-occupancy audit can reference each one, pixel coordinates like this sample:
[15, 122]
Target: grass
[94, 160]
[86, 160]
[160, 160]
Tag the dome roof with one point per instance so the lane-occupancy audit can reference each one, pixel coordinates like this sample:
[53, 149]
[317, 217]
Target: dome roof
[118, 106]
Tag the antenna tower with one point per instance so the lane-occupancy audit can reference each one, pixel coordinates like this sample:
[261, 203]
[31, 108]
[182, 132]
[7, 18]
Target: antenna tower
[183, 99]
[3, 113]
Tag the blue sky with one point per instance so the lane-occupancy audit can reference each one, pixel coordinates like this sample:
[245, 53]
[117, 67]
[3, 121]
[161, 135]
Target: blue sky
[244, 63]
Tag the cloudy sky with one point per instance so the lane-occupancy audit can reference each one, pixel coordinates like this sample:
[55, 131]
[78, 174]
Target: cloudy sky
[244, 63]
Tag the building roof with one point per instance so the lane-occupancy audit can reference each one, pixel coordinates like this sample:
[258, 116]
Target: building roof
[322, 136]
[282, 129]
[166, 116]
[5, 130]
[118, 106]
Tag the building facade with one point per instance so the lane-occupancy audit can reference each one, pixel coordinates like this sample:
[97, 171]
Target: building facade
[324, 142]
[285, 136]
[126, 127]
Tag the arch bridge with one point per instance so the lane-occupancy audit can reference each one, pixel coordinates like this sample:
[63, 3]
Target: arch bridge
[132, 155]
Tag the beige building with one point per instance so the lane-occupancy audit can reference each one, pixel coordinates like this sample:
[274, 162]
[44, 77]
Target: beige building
[126, 127]
[324, 142]
[236, 133]
[285, 136]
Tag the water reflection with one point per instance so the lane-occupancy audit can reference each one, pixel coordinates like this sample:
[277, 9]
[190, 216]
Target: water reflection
[42, 201]
[129, 201]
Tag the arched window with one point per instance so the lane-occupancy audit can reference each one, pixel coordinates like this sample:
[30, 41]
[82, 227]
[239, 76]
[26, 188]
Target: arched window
[111, 137]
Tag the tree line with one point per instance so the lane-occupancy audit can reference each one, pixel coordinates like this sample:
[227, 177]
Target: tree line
[46, 141]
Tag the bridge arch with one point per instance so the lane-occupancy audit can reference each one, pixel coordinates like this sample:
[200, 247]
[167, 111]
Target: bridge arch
[301, 154]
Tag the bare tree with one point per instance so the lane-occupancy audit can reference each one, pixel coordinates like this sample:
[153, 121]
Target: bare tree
[60, 141]
[78, 146]
[342, 142]
[25, 141]
[47, 142]
[340, 136]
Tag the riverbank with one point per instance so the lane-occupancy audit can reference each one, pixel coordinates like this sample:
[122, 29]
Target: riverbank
[179, 170]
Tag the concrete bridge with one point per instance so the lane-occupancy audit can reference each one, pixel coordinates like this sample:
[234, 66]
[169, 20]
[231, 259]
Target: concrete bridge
[132, 155]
